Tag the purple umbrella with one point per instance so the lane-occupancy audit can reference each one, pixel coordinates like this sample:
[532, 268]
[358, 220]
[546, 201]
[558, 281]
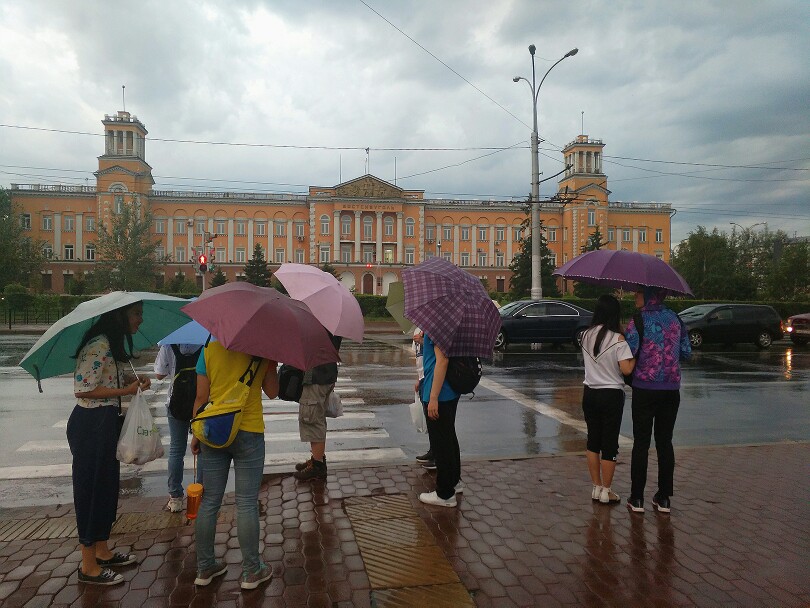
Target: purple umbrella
[626, 269]
[263, 322]
[452, 307]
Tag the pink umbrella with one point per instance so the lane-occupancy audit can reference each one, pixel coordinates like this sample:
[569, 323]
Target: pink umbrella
[262, 321]
[332, 304]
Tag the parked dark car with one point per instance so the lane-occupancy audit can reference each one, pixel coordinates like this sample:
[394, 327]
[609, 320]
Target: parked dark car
[547, 321]
[732, 323]
[798, 328]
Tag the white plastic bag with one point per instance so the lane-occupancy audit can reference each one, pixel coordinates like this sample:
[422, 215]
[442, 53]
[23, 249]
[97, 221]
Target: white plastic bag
[139, 442]
[334, 406]
[418, 415]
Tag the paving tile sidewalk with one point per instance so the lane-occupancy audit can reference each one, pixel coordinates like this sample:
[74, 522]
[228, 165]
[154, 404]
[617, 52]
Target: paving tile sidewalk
[525, 534]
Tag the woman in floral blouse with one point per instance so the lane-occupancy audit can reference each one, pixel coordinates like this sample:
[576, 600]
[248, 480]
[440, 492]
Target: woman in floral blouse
[92, 432]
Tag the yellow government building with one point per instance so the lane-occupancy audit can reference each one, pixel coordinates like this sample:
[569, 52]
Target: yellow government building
[367, 228]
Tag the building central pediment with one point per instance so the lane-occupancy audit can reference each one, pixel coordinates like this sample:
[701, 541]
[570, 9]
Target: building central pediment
[368, 186]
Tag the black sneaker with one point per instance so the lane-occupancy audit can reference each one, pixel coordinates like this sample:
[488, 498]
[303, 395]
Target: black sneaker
[636, 505]
[315, 469]
[118, 559]
[105, 577]
[661, 503]
[429, 465]
[426, 457]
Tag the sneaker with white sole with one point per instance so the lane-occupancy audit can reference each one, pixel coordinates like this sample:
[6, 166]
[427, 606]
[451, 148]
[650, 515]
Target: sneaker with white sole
[209, 574]
[661, 503]
[426, 457]
[607, 496]
[636, 505]
[459, 487]
[596, 492]
[251, 581]
[175, 505]
[105, 578]
[431, 498]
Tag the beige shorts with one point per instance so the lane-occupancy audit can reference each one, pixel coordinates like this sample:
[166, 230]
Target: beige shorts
[312, 412]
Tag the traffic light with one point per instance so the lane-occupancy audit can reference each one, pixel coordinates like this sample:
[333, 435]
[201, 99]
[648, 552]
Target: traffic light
[203, 262]
[368, 265]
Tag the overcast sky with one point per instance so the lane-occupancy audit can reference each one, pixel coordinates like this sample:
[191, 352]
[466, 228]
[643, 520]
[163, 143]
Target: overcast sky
[672, 88]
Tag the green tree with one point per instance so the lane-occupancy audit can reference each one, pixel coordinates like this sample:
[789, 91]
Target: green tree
[218, 279]
[181, 284]
[327, 267]
[521, 266]
[586, 290]
[256, 270]
[707, 260]
[126, 251]
[21, 255]
[790, 277]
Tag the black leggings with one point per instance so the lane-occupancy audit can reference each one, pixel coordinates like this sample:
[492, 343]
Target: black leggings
[603, 409]
[446, 452]
[92, 434]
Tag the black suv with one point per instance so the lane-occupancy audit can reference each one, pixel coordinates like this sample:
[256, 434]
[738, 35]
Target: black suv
[730, 323]
[531, 321]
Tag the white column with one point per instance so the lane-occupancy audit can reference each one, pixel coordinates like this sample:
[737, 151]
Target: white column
[400, 247]
[474, 244]
[57, 236]
[169, 236]
[190, 236]
[357, 228]
[456, 245]
[230, 240]
[250, 242]
[379, 236]
[491, 252]
[336, 235]
[79, 226]
[510, 234]
[290, 257]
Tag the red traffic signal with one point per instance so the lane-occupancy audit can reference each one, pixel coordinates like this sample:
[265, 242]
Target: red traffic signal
[203, 262]
[368, 265]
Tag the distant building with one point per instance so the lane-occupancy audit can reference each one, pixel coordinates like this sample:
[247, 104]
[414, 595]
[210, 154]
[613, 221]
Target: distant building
[367, 228]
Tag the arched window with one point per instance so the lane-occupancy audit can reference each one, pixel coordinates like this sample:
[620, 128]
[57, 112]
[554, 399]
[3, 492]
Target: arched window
[389, 226]
[346, 225]
[324, 224]
[409, 224]
[368, 227]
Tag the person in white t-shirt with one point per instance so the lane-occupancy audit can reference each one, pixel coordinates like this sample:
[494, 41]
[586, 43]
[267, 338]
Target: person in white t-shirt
[607, 356]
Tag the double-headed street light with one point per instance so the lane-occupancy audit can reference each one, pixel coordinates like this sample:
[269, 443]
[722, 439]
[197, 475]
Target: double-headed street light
[537, 285]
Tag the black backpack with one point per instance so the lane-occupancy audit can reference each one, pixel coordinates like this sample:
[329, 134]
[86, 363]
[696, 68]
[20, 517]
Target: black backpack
[184, 385]
[464, 373]
[290, 383]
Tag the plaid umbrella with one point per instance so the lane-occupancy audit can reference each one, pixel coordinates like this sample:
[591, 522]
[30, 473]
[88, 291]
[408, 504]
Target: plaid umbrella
[452, 307]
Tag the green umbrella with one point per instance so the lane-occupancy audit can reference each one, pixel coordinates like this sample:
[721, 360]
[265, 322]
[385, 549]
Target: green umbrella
[53, 353]
[396, 306]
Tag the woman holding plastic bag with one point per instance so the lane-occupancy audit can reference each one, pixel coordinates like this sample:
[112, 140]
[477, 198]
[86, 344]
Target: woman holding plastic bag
[92, 432]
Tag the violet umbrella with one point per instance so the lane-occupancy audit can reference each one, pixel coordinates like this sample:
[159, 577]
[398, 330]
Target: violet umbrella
[262, 321]
[623, 269]
[452, 307]
[332, 304]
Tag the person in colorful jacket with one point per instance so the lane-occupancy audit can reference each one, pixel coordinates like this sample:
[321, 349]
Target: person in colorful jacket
[656, 394]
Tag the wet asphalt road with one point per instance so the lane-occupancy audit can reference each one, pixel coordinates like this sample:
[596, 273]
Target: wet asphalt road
[527, 404]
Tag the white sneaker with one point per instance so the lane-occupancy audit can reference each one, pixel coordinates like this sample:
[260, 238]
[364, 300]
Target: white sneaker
[175, 505]
[608, 495]
[596, 492]
[460, 487]
[431, 498]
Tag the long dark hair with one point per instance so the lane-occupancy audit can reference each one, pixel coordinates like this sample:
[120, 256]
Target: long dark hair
[115, 325]
[607, 314]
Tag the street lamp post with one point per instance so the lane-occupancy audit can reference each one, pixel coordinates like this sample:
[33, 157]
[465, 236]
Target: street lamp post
[537, 285]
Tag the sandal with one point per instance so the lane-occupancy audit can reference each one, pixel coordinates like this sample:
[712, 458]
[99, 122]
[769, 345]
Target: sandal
[105, 577]
[118, 559]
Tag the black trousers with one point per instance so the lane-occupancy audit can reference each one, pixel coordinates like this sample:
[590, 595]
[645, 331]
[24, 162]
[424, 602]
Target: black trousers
[446, 451]
[603, 408]
[92, 434]
[654, 412]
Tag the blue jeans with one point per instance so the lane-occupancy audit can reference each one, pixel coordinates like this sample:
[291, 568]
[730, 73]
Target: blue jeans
[178, 433]
[247, 453]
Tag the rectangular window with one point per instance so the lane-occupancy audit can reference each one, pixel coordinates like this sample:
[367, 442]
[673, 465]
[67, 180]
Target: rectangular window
[47, 222]
[499, 259]
[179, 225]
[626, 235]
[368, 255]
[367, 230]
[346, 228]
[299, 229]
[465, 233]
[241, 227]
[281, 228]
[261, 228]
[179, 254]
[565, 235]
[499, 233]
[324, 255]
[611, 235]
[220, 225]
[118, 205]
[447, 255]
[25, 221]
[409, 255]
[552, 235]
[430, 231]
[240, 255]
[47, 251]
[160, 225]
[553, 259]
[299, 256]
[482, 259]
[70, 224]
[483, 232]
[388, 255]
[389, 228]
[448, 232]
[325, 226]
[90, 223]
[409, 228]
[279, 256]
[565, 258]
[199, 227]
[659, 235]
[220, 255]
[160, 253]
[68, 252]
[90, 252]
[346, 255]
[642, 235]
[465, 259]
[518, 232]
[591, 217]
